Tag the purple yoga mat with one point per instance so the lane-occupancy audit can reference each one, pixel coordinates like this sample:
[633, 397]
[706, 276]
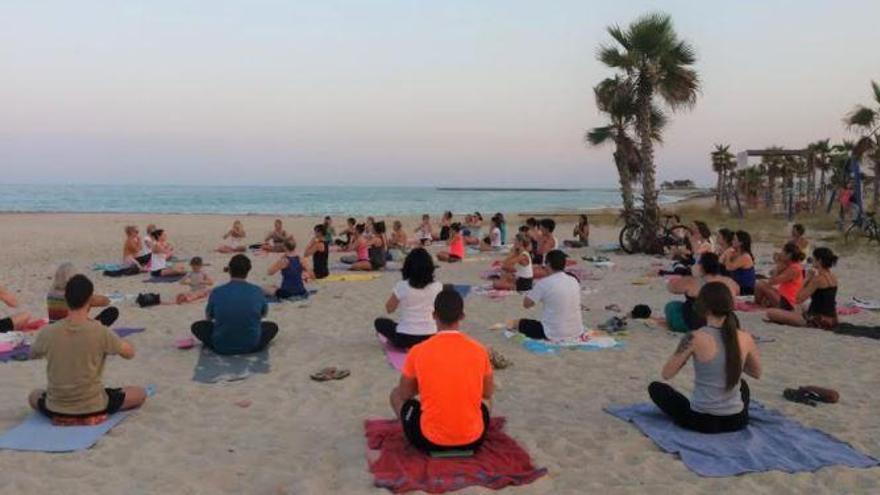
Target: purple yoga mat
[395, 356]
[22, 352]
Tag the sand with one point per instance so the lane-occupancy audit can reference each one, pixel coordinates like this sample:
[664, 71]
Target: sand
[303, 437]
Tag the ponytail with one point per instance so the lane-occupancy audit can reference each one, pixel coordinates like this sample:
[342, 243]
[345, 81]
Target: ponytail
[732, 354]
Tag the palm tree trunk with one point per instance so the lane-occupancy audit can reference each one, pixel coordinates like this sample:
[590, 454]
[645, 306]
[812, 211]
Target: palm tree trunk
[646, 148]
[822, 185]
[626, 189]
[718, 187]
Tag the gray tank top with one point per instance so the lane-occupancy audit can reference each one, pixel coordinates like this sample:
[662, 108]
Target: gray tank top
[711, 395]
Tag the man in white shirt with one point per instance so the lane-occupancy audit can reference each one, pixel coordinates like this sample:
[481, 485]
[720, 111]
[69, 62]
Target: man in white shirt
[560, 293]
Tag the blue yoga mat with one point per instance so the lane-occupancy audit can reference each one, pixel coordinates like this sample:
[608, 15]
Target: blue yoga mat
[38, 434]
[276, 300]
[214, 368]
[23, 352]
[771, 442]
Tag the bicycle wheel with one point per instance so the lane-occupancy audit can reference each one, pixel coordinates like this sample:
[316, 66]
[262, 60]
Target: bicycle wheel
[630, 237]
[852, 232]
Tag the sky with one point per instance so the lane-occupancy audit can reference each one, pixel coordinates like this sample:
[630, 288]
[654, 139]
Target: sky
[454, 93]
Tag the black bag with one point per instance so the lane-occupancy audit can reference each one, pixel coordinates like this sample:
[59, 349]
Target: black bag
[148, 299]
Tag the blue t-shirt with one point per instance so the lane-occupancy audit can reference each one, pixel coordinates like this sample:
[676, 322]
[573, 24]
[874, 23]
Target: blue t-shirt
[236, 308]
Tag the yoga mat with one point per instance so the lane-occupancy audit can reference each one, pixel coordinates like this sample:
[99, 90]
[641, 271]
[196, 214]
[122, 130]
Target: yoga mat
[214, 368]
[749, 306]
[276, 300]
[38, 434]
[395, 356]
[546, 347]
[23, 352]
[350, 277]
[109, 267]
[164, 280]
[399, 467]
[771, 442]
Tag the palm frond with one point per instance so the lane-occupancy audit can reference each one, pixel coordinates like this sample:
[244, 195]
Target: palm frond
[861, 118]
[598, 136]
[876, 88]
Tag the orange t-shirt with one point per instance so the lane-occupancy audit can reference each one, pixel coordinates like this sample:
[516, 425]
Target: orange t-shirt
[450, 368]
[788, 290]
[456, 246]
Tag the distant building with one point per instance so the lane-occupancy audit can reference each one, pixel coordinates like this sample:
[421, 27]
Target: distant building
[678, 184]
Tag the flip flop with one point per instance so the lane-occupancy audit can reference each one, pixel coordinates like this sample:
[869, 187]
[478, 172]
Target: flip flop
[800, 396]
[826, 395]
[330, 373]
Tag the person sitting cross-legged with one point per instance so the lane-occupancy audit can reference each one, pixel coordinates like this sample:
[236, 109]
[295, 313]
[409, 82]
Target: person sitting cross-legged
[234, 314]
[75, 349]
[560, 293]
[446, 386]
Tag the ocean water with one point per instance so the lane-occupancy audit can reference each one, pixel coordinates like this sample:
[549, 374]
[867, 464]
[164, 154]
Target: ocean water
[294, 200]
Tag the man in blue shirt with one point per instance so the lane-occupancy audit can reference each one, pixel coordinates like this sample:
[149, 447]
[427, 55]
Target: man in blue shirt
[234, 314]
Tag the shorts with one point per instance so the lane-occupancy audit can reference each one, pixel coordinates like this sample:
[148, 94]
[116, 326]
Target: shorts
[532, 329]
[453, 258]
[6, 325]
[411, 419]
[784, 304]
[115, 399]
[286, 294]
[524, 284]
[156, 273]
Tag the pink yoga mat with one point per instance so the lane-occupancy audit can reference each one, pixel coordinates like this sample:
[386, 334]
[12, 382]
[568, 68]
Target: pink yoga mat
[395, 356]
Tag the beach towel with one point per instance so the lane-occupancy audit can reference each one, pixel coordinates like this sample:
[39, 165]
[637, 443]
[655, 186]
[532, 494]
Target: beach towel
[587, 342]
[868, 331]
[870, 304]
[214, 368]
[749, 306]
[164, 280]
[350, 277]
[107, 267]
[22, 351]
[394, 355]
[38, 434]
[491, 293]
[400, 468]
[771, 442]
[391, 266]
[607, 248]
[463, 289]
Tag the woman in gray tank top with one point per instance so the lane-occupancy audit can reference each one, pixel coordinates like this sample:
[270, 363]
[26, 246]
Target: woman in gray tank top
[721, 354]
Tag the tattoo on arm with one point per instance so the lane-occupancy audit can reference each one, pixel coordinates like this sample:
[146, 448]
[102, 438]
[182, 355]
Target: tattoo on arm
[685, 343]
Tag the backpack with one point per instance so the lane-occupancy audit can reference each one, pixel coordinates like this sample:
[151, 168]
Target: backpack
[148, 299]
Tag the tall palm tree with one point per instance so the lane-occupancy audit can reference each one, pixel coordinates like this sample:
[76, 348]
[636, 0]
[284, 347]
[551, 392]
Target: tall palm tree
[821, 151]
[650, 53]
[615, 97]
[867, 120]
[721, 159]
[773, 168]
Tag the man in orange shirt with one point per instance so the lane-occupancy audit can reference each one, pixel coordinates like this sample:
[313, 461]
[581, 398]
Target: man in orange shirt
[452, 377]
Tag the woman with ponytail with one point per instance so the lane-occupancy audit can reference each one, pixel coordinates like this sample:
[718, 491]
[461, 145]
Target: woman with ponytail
[721, 354]
[821, 289]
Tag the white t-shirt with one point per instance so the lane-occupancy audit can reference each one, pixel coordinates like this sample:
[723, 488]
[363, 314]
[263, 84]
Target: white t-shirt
[560, 294]
[416, 308]
[495, 237]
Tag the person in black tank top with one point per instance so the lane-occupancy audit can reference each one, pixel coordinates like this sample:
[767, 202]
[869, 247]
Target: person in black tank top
[319, 250]
[376, 252]
[821, 289]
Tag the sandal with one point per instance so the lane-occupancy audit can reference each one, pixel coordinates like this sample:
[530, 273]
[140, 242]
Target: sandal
[822, 394]
[330, 373]
[800, 396]
[498, 360]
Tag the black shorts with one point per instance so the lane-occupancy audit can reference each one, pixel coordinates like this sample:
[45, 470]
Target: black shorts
[115, 399]
[524, 284]
[6, 325]
[532, 329]
[410, 418]
[156, 273]
[784, 304]
[453, 258]
[286, 294]
[143, 260]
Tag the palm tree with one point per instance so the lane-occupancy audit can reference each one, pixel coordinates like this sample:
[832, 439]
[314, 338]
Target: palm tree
[867, 120]
[615, 97]
[651, 55]
[820, 151]
[721, 164]
[772, 166]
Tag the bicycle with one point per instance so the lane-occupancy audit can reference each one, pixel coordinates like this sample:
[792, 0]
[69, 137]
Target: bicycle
[670, 233]
[866, 226]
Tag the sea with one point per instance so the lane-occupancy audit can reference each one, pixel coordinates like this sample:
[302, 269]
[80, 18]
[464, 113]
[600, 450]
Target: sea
[296, 200]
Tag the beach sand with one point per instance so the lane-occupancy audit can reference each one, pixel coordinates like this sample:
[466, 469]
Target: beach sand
[303, 437]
